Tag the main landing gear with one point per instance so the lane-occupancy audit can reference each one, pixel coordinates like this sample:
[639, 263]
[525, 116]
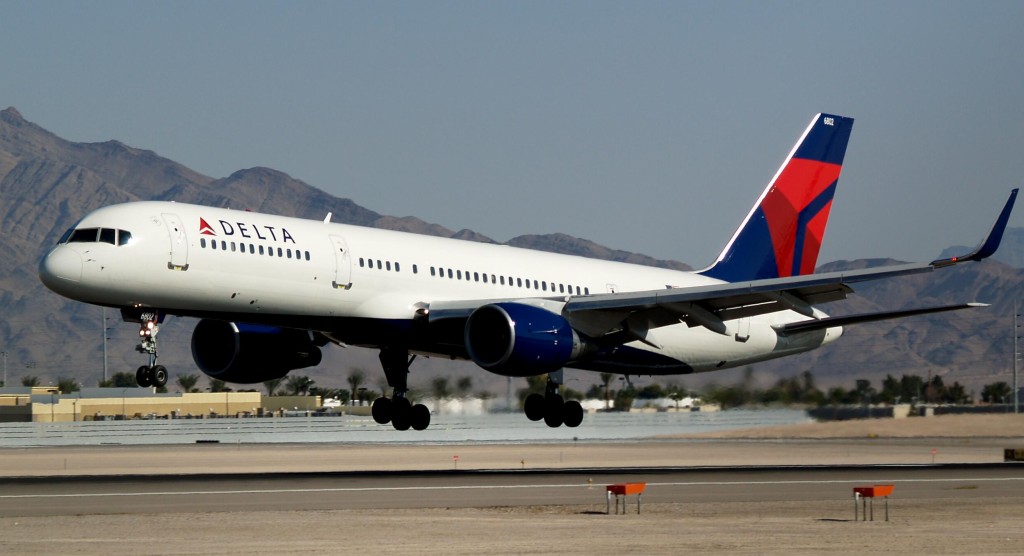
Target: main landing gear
[398, 410]
[551, 407]
[152, 374]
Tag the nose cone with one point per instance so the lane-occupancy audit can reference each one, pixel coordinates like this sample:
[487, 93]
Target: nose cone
[60, 266]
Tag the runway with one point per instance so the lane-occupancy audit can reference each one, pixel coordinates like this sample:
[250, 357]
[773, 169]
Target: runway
[212, 493]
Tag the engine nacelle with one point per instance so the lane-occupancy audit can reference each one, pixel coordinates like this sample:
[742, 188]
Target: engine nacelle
[513, 339]
[249, 353]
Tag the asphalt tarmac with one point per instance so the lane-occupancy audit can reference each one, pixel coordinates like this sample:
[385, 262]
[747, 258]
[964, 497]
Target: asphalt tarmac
[67, 496]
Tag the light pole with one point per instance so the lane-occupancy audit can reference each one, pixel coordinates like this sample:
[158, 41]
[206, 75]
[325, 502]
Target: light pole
[1016, 356]
[5, 368]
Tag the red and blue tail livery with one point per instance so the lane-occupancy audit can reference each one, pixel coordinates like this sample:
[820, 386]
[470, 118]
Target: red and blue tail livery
[783, 233]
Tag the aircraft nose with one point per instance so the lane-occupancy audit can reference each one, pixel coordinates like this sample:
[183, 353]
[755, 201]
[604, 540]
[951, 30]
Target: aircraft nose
[60, 264]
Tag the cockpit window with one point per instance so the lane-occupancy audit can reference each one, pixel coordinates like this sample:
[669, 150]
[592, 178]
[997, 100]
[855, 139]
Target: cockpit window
[108, 236]
[84, 235]
[94, 235]
[64, 238]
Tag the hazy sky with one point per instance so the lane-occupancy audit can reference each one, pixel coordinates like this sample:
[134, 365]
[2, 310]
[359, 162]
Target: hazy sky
[644, 126]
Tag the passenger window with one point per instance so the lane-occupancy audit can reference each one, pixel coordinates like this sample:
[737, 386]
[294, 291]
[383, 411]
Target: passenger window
[280, 252]
[289, 251]
[459, 274]
[502, 280]
[586, 291]
[450, 274]
[202, 242]
[388, 266]
[476, 276]
[261, 249]
[232, 247]
[398, 268]
[561, 288]
[415, 270]
[379, 266]
[432, 271]
[223, 245]
[519, 282]
[307, 255]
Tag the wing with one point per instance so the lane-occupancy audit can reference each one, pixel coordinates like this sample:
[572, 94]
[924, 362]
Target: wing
[624, 317]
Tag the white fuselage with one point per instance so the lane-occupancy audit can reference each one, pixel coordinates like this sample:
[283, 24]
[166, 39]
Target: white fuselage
[361, 285]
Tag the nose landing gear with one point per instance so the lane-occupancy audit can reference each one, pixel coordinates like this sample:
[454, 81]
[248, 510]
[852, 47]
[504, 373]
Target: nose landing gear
[152, 374]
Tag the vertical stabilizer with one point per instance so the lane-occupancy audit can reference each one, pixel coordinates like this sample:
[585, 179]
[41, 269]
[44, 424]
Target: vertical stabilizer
[782, 234]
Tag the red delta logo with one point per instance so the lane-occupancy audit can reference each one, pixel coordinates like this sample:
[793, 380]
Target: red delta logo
[205, 229]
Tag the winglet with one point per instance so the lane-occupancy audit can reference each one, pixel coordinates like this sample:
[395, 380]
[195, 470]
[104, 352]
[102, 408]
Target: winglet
[990, 244]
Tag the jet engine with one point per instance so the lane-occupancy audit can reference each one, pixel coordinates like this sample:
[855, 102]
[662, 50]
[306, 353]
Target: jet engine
[249, 353]
[514, 339]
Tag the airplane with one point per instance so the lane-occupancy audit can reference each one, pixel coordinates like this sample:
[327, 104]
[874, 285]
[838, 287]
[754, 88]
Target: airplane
[270, 291]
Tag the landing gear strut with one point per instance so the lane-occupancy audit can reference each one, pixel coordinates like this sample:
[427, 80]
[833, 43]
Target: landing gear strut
[398, 410]
[551, 407]
[152, 374]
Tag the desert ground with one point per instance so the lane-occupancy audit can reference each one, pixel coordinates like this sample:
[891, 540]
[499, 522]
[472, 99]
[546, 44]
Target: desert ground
[948, 524]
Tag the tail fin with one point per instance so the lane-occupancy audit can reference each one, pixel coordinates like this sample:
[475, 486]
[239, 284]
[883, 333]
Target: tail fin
[782, 234]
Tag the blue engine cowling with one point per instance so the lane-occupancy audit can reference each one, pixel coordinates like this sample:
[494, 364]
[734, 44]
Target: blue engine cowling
[513, 339]
[250, 353]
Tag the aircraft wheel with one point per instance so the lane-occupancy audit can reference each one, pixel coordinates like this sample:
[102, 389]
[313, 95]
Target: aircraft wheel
[381, 410]
[534, 407]
[143, 376]
[159, 375]
[420, 417]
[572, 413]
[401, 414]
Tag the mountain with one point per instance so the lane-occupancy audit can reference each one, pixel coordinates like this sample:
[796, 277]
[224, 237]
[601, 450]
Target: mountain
[47, 183]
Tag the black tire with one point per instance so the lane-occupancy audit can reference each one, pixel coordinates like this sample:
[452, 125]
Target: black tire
[553, 419]
[534, 407]
[144, 376]
[572, 414]
[401, 414]
[420, 417]
[159, 376]
[381, 410]
[553, 405]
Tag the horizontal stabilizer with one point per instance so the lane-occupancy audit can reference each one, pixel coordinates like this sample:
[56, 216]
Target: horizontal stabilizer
[832, 322]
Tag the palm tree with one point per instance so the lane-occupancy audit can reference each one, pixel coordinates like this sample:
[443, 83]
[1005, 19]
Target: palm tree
[187, 383]
[356, 378]
[463, 386]
[217, 385]
[441, 391]
[299, 385]
[272, 385]
[606, 379]
[67, 385]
